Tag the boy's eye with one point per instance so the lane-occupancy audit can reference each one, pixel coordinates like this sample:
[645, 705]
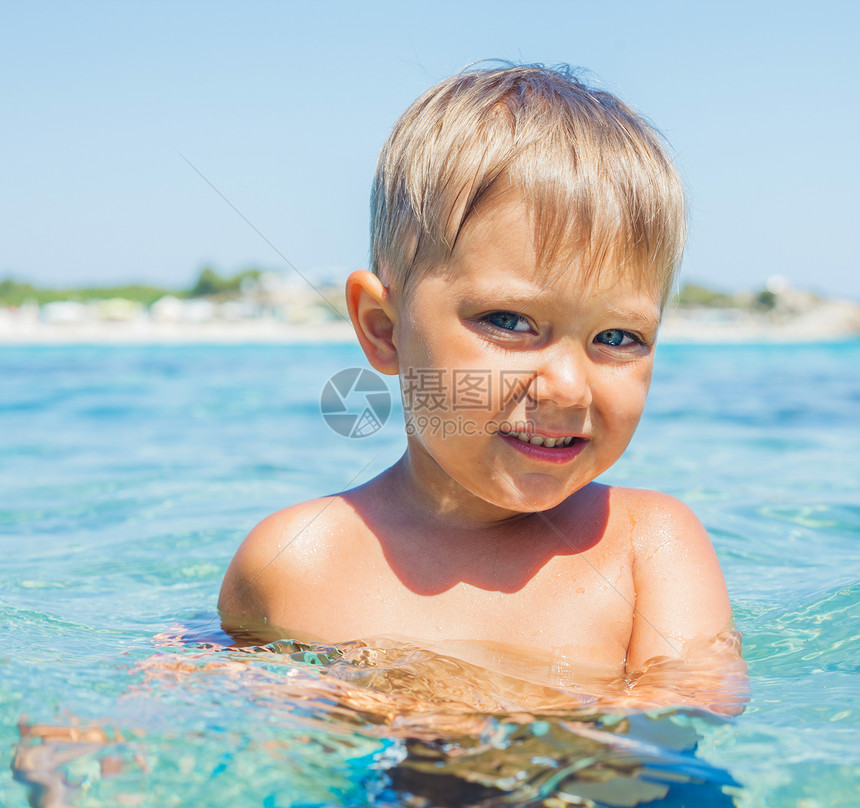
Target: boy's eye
[508, 321]
[616, 338]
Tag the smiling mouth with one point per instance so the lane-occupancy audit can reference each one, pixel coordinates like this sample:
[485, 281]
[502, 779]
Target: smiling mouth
[536, 439]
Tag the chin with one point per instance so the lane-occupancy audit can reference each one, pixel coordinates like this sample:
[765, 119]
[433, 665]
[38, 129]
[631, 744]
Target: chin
[528, 499]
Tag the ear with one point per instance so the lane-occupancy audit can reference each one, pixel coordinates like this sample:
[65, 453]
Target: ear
[373, 317]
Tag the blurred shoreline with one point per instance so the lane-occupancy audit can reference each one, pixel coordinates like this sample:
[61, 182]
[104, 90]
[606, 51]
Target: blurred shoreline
[149, 332]
[277, 310]
[819, 321]
[702, 327]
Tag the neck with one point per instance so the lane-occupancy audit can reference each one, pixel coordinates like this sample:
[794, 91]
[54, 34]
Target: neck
[423, 487]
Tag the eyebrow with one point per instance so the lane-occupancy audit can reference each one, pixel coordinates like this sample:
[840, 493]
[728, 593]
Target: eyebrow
[521, 299]
[635, 316]
[503, 298]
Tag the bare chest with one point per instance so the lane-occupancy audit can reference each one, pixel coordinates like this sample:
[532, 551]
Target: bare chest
[577, 607]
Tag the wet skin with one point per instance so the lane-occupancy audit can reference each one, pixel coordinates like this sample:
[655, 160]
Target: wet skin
[475, 534]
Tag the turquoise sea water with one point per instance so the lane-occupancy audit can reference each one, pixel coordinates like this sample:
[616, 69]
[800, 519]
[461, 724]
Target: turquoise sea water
[128, 476]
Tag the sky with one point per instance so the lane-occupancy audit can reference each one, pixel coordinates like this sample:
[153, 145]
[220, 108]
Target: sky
[117, 119]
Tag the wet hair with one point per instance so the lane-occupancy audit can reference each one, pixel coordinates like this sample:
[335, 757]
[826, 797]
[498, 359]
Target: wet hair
[596, 177]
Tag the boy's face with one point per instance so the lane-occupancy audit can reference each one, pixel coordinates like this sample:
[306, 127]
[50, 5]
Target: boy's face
[496, 348]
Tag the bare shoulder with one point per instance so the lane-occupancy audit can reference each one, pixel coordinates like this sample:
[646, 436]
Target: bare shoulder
[282, 550]
[658, 520]
[681, 594]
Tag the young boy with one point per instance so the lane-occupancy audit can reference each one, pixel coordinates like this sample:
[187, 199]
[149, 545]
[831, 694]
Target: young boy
[526, 231]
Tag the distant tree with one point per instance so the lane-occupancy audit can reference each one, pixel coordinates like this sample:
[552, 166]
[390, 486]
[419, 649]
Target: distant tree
[765, 300]
[209, 282]
[691, 294]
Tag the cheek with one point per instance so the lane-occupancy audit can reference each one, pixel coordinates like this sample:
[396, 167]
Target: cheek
[460, 374]
[412, 348]
[434, 344]
[624, 397]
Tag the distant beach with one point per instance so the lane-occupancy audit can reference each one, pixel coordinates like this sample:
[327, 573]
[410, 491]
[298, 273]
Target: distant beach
[36, 332]
[271, 308]
[834, 322]
[815, 321]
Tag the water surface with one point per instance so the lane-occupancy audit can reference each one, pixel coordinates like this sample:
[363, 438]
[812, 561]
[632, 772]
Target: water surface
[130, 474]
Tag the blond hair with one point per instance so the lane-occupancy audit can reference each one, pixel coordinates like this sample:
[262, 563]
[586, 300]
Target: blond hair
[596, 177]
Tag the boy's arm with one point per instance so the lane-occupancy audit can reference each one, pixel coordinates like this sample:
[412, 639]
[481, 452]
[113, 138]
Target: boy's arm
[681, 649]
[245, 598]
[263, 579]
[681, 597]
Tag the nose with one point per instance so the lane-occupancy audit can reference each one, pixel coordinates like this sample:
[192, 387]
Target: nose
[562, 378]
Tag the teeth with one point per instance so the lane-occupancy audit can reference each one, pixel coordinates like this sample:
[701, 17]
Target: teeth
[542, 440]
